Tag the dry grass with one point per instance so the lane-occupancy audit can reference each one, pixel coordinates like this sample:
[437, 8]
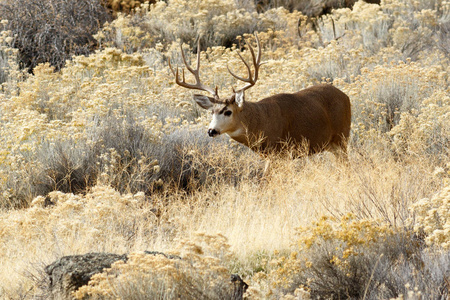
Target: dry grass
[115, 130]
[260, 219]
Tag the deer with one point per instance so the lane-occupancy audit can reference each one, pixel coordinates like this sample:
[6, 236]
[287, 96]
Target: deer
[318, 117]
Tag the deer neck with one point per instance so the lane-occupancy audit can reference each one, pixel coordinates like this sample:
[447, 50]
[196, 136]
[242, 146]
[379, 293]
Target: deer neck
[250, 123]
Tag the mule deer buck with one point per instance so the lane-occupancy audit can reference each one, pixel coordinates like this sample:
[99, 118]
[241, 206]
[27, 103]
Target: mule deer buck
[318, 116]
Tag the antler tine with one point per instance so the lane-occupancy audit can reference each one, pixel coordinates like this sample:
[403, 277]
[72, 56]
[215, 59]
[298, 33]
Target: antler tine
[171, 69]
[198, 85]
[258, 59]
[195, 72]
[252, 78]
[249, 72]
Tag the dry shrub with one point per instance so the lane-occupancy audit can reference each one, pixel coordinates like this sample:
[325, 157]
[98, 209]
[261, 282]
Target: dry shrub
[121, 157]
[52, 30]
[45, 154]
[183, 160]
[427, 133]
[432, 218]
[6, 52]
[444, 36]
[64, 167]
[413, 29]
[199, 273]
[126, 157]
[218, 23]
[311, 8]
[391, 94]
[360, 259]
[102, 219]
[126, 6]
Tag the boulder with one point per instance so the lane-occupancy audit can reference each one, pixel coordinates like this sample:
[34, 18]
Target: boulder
[69, 273]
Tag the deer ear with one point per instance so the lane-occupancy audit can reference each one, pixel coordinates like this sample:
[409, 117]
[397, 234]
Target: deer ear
[204, 101]
[239, 99]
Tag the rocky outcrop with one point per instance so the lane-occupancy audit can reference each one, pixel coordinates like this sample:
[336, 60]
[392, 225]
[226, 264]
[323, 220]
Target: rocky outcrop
[69, 273]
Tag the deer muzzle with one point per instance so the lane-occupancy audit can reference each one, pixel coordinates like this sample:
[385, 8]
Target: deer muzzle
[213, 132]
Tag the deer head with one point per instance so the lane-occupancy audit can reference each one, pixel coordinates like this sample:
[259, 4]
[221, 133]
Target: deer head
[225, 112]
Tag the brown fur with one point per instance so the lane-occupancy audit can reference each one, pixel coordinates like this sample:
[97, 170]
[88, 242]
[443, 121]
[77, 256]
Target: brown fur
[319, 115]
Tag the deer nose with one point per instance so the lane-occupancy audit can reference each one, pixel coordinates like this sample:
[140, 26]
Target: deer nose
[212, 132]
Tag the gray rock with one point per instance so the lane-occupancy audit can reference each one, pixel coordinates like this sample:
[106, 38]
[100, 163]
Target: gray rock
[69, 273]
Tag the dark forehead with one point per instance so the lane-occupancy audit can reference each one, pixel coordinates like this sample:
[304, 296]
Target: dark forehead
[218, 109]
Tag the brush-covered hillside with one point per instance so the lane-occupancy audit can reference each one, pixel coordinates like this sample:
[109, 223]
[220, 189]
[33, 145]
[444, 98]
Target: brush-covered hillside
[101, 151]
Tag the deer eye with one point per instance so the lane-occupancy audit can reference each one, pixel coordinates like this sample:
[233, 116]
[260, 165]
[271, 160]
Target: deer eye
[227, 113]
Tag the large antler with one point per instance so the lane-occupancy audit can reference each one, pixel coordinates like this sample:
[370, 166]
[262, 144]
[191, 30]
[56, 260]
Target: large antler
[198, 85]
[251, 79]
